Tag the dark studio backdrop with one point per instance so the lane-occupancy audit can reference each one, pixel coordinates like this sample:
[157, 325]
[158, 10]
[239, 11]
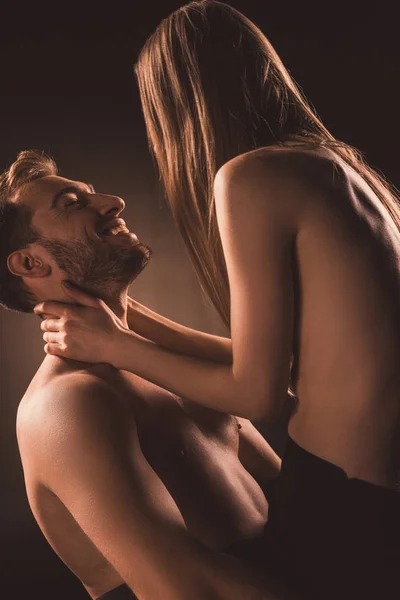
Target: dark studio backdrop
[67, 87]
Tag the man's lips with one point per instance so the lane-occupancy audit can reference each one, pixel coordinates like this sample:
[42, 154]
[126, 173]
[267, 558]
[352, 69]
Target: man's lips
[114, 231]
[113, 227]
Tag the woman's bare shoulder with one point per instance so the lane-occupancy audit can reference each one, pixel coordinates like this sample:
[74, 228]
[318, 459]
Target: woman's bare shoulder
[312, 166]
[291, 179]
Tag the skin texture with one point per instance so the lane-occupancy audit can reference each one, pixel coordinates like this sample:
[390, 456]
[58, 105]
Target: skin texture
[176, 337]
[313, 264]
[112, 464]
[127, 481]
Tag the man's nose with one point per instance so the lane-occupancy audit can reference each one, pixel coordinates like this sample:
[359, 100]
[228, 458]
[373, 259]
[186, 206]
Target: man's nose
[109, 205]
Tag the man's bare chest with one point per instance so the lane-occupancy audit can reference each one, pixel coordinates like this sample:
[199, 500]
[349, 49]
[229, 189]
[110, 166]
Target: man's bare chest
[177, 437]
[194, 451]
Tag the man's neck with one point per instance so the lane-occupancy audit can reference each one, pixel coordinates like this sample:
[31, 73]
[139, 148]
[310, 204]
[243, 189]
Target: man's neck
[119, 305]
[116, 300]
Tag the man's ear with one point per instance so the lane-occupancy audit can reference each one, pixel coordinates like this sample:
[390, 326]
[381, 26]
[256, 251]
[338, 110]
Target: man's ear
[24, 263]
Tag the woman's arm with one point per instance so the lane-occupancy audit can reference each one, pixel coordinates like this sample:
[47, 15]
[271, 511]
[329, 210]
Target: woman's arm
[257, 209]
[176, 337]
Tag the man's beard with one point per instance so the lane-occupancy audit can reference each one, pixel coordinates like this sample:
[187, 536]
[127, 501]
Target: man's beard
[100, 268]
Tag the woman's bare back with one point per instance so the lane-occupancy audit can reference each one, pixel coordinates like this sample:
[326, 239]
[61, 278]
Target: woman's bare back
[347, 333]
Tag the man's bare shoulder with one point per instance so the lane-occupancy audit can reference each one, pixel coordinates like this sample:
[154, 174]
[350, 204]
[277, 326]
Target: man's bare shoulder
[68, 400]
[62, 389]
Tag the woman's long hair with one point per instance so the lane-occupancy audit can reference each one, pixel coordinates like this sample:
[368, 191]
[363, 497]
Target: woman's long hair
[212, 87]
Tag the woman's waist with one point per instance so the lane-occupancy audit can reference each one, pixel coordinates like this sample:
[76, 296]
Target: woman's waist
[363, 441]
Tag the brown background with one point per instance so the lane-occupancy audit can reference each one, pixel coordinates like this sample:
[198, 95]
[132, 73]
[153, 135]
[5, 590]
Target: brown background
[67, 87]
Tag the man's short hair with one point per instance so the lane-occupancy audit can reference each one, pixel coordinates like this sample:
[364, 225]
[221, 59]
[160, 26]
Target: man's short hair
[16, 230]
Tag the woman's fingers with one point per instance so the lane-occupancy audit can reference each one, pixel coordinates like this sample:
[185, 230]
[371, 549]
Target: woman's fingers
[50, 307]
[86, 330]
[80, 297]
[54, 349]
[51, 337]
[58, 309]
[50, 325]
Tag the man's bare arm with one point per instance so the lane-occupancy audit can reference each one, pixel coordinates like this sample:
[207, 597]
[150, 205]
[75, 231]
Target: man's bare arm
[122, 505]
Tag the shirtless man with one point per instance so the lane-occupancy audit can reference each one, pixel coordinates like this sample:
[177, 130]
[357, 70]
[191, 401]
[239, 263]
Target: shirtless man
[129, 483]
